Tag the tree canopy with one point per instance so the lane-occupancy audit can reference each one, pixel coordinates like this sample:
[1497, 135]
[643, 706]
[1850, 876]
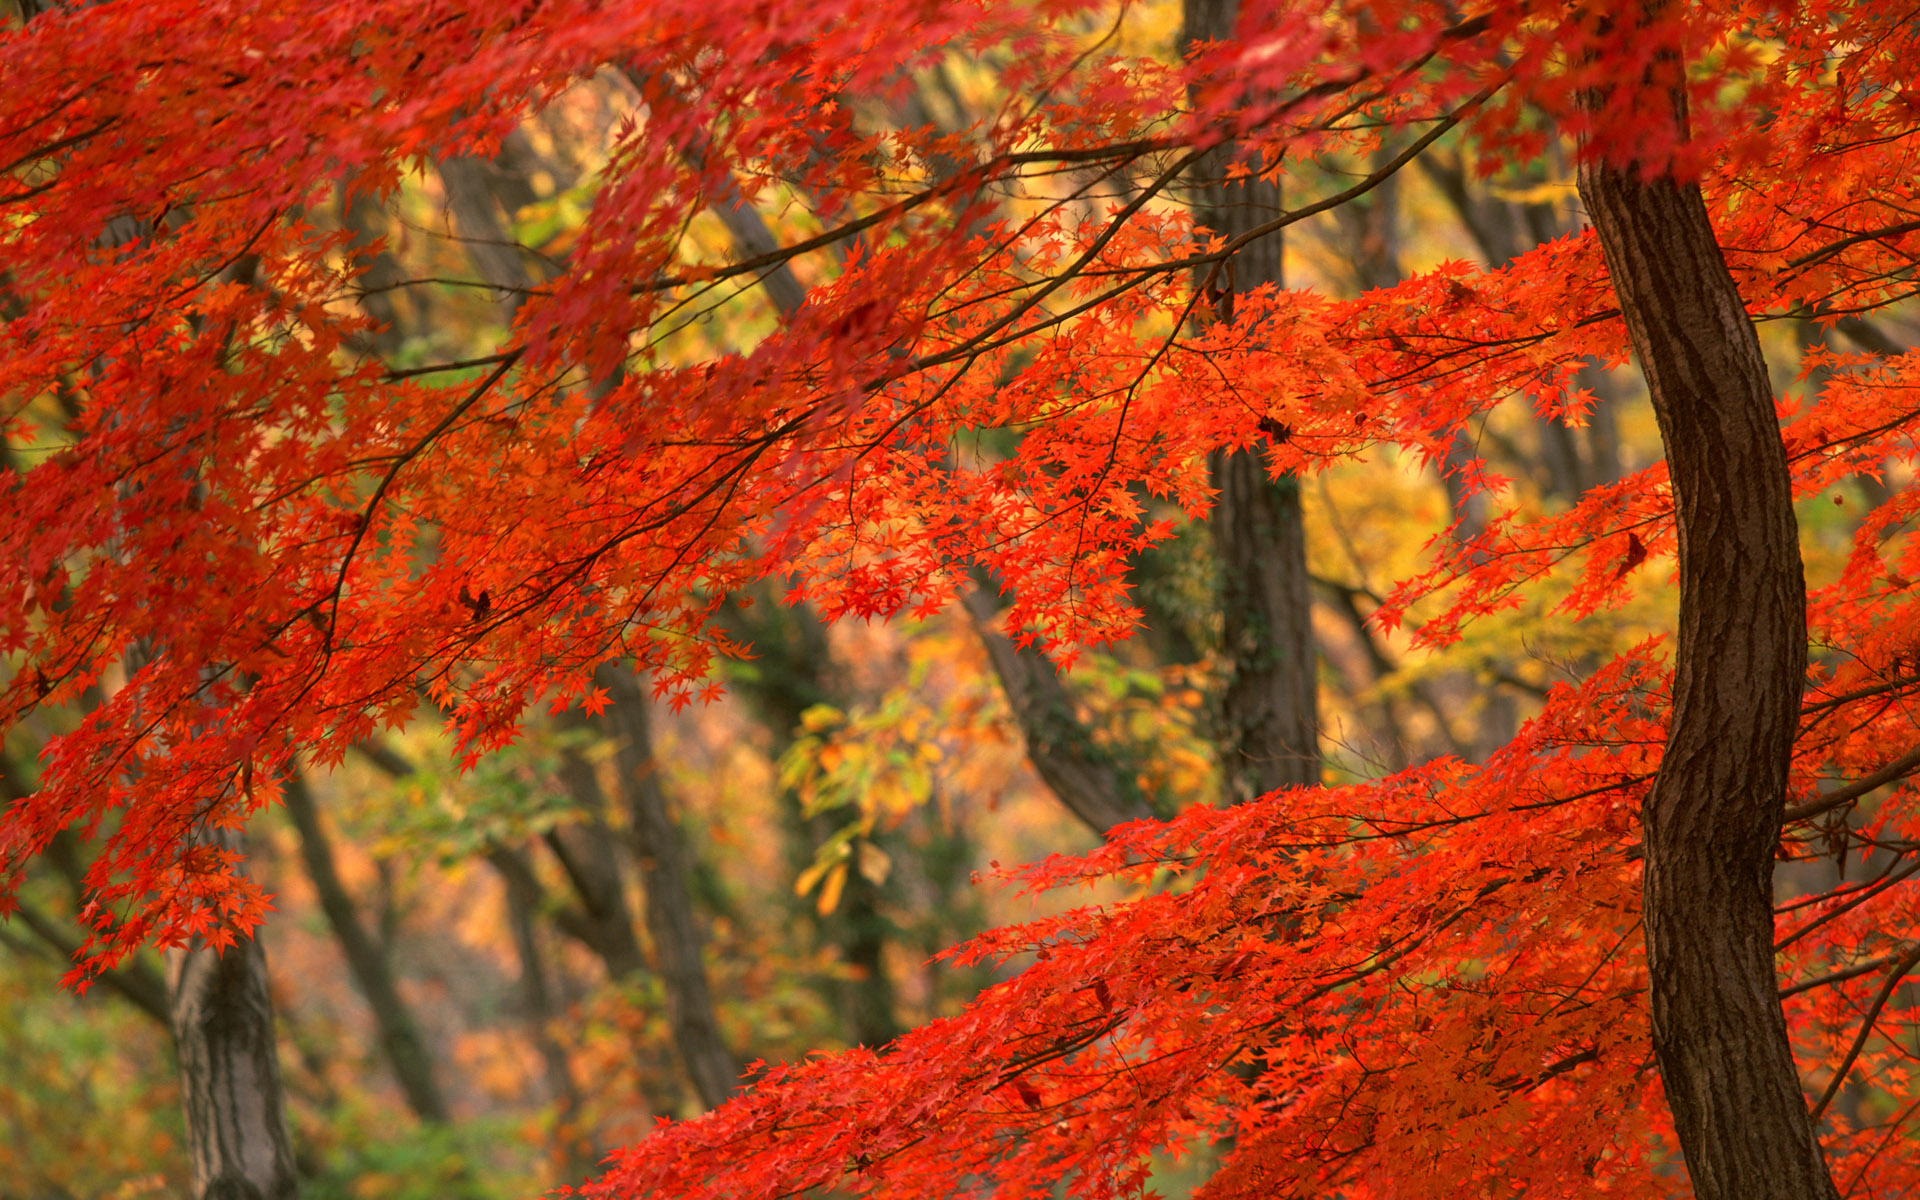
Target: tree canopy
[240, 533]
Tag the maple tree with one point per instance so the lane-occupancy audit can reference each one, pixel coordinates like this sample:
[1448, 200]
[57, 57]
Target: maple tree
[244, 536]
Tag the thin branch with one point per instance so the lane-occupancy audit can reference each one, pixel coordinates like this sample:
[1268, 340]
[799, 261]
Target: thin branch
[134, 982]
[1834, 247]
[1900, 768]
[457, 365]
[1906, 963]
[1858, 898]
[380, 493]
[1840, 976]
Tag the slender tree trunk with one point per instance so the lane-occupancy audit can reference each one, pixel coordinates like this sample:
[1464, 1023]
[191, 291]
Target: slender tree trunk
[587, 853]
[1712, 821]
[1504, 230]
[221, 1014]
[679, 944]
[367, 958]
[217, 1002]
[1269, 723]
[230, 1071]
[574, 1154]
[604, 921]
[1062, 753]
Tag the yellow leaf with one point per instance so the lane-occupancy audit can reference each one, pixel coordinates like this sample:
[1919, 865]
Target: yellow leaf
[821, 716]
[830, 894]
[811, 876]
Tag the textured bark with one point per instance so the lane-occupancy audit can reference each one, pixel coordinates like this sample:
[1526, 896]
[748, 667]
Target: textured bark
[1084, 777]
[400, 1041]
[1269, 724]
[1712, 820]
[679, 945]
[229, 1071]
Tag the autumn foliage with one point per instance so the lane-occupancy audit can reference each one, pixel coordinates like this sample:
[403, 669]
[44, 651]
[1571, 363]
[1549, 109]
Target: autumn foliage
[252, 539]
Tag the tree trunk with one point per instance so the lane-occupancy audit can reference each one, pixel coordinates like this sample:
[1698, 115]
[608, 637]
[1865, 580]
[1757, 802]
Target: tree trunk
[571, 1146]
[586, 852]
[679, 945]
[1269, 725]
[1089, 781]
[1712, 821]
[230, 1071]
[1268, 719]
[367, 958]
[1504, 230]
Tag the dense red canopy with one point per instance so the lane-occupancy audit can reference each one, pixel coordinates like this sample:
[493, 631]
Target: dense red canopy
[1431, 984]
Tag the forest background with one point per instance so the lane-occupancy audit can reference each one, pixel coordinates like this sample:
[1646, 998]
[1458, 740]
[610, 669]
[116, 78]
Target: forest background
[488, 970]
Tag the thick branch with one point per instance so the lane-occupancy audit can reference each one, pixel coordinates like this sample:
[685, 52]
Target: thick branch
[134, 981]
[1086, 779]
[1900, 768]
